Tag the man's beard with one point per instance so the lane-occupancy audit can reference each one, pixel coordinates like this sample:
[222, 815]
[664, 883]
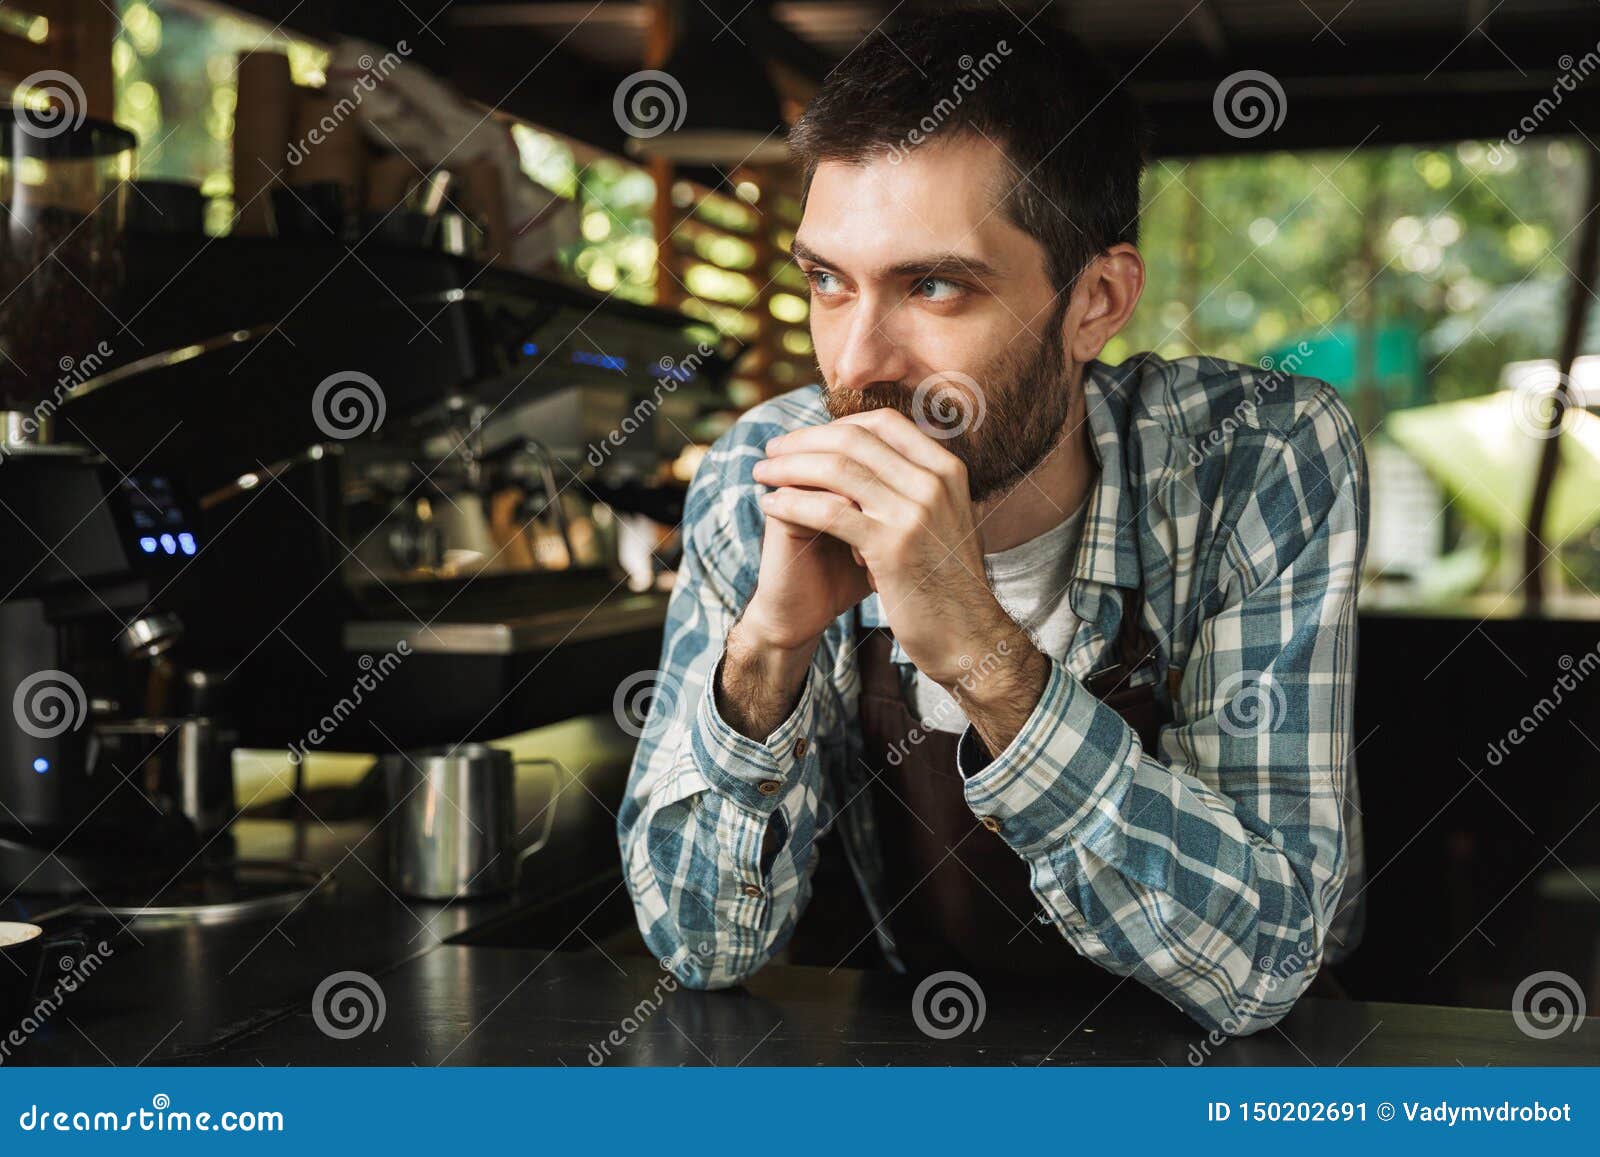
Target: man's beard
[1002, 422]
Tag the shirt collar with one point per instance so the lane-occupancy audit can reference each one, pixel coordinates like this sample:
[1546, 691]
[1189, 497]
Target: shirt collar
[1107, 552]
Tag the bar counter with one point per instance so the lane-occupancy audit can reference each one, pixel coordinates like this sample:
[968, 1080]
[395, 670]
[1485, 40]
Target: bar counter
[558, 976]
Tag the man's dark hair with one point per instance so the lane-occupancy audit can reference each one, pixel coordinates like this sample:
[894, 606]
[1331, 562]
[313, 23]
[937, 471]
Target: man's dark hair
[1073, 137]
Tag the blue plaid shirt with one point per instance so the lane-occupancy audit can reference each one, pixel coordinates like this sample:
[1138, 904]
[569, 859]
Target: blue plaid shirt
[1211, 870]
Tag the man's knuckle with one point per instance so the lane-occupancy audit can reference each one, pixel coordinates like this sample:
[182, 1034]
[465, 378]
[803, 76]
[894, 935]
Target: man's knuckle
[861, 441]
[856, 470]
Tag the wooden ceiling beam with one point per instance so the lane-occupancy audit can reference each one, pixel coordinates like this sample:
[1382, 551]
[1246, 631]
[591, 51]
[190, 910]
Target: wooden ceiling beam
[1189, 128]
[1208, 30]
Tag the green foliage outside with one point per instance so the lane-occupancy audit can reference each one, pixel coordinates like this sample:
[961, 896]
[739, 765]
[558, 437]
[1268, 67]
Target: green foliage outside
[1247, 254]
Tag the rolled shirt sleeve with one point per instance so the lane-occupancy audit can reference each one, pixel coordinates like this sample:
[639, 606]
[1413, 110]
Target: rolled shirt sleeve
[717, 829]
[1210, 870]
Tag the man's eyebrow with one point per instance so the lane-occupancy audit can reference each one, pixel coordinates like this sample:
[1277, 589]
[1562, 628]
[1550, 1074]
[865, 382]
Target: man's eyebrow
[933, 265]
[942, 265]
[800, 251]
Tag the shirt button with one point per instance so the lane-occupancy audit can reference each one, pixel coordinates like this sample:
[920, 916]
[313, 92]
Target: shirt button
[799, 748]
[991, 823]
[753, 891]
[768, 786]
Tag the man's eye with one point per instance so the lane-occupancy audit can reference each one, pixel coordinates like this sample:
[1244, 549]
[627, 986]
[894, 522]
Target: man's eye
[937, 289]
[822, 281]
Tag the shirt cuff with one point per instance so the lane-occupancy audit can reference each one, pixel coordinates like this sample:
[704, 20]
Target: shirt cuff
[754, 774]
[1048, 782]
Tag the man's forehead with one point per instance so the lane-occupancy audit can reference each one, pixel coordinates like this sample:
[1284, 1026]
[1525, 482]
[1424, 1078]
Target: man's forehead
[939, 196]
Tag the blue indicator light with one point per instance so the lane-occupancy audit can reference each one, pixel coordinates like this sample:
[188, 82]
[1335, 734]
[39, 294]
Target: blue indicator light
[529, 349]
[147, 544]
[41, 765]
[599, 361]
[169, 544]
[186, 542]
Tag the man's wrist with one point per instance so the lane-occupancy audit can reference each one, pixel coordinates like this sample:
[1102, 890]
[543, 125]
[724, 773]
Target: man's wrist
[757, 628]
[999, 689]
[772, 661]
[1012, 672]
[760, 679]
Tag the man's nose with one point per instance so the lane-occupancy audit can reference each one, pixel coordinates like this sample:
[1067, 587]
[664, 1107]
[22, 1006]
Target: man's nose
[871, 354]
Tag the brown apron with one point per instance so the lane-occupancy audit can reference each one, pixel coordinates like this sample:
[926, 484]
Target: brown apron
[958, 893]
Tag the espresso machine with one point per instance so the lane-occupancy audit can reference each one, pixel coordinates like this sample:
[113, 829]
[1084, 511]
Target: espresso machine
[399, 454]
[280, 471]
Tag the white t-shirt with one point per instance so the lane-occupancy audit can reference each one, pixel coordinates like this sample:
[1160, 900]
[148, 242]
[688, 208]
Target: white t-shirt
[1030, 581]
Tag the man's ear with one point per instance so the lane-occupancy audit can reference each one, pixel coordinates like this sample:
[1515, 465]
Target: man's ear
[1104, 299]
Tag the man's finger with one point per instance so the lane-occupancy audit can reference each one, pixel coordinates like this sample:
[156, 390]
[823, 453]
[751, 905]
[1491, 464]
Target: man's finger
[834, 472]
[861, 444]
[905, 436]
[819, 510]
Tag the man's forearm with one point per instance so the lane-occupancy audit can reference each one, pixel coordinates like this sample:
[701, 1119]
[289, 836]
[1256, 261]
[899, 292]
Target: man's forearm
[759, 683]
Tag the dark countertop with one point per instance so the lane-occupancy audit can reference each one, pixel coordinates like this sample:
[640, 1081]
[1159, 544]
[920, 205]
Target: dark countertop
[169, 995]
[491, 1006]
[560, 977]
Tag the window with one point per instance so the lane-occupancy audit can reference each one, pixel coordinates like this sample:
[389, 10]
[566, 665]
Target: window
[174, 62]
[1409, 278]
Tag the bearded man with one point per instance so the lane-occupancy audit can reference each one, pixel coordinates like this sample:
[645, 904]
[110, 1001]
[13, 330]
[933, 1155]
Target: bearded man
[993, 655]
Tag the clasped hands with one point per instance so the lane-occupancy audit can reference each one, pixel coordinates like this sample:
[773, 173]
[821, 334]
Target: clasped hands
[870, 502]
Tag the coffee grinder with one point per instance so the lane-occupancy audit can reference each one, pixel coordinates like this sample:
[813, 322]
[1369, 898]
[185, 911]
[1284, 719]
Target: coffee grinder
[88, 544]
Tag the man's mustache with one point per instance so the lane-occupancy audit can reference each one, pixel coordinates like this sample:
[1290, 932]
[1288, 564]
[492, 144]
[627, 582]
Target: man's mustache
[881, 396]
